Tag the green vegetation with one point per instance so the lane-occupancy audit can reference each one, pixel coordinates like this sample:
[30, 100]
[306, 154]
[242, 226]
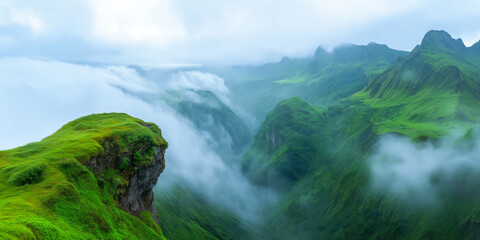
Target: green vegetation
[332, 198]
[316, 154]
[425, 95]
[187, 215]
[29, 175]
[434, 88]
[284, 148]
[47, 193]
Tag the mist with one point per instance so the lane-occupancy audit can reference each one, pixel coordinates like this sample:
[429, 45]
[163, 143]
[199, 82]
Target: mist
[38, 97]
[428, 172]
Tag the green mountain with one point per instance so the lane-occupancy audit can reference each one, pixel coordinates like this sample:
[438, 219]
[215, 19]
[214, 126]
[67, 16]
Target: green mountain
[286, 145]
[319, 155]
[92, 179]
[313, 157]
[330, 195]
[435, 87]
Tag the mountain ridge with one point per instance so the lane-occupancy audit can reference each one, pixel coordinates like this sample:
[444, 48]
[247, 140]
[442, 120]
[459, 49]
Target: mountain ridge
[437, 83]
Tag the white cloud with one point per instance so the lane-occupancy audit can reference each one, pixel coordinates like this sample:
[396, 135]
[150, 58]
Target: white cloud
[226, 32]
[136, 22]
[29, 19]
[39, 96]
[24, 17]
[420, 173]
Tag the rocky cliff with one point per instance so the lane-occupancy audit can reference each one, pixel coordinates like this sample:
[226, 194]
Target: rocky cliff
[135, 195]
[92, 179]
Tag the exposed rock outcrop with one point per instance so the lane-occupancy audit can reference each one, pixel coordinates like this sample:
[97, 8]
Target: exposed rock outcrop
[135, 195]
[138, 196]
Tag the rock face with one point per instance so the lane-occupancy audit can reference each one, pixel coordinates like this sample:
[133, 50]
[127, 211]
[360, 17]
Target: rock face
[136, 195]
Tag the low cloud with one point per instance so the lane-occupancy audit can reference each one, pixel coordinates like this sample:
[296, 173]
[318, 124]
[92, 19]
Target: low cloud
[426, 173]
[38, 97]
[131, 23]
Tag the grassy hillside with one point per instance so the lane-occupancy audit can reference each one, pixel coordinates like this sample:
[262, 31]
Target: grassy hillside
[435, 87]
[187, 215]
[47, 193]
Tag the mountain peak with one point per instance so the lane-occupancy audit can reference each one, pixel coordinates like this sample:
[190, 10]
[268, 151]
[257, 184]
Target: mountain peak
[320, 52]
[441, 39]
[437, 34]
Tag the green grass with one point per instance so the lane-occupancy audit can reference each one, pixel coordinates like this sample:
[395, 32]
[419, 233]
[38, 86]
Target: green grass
[47, 193]
[432, 90]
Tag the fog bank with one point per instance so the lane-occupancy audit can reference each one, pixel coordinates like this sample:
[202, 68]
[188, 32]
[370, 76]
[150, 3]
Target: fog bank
[427, 172]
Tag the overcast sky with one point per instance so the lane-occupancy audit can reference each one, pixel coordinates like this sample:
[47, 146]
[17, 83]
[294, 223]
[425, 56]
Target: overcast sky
[153, 32]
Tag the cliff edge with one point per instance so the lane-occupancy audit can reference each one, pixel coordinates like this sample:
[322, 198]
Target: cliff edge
[92, 179]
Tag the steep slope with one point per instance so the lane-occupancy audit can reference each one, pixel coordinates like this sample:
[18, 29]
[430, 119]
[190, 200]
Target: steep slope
[435, 86]
[286, 145]
[187, 215]
[92, 179]
[312, 157]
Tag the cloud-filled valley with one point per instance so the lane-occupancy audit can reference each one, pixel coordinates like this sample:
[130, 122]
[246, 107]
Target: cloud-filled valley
[46, 94]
